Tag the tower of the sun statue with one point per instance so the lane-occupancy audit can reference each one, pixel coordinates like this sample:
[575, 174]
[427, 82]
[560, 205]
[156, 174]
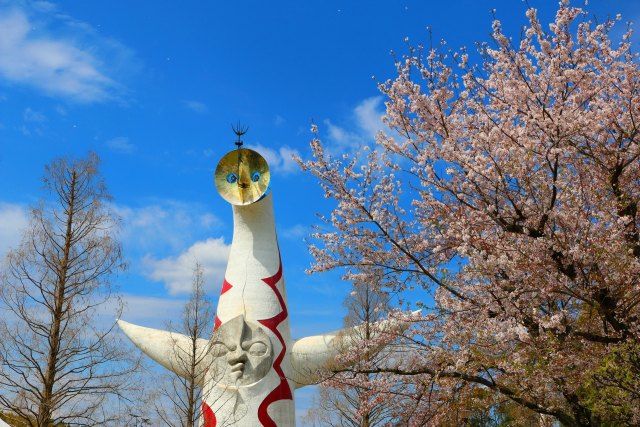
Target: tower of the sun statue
[251, 365]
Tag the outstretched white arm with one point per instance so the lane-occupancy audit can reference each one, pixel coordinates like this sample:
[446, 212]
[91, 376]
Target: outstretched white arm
[170, 349]
[311, 354]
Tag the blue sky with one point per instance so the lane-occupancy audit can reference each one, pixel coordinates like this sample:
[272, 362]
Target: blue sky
[153, 88]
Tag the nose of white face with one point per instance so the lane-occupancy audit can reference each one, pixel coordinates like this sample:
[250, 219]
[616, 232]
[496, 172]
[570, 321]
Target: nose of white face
[236, 360]
[239, 356]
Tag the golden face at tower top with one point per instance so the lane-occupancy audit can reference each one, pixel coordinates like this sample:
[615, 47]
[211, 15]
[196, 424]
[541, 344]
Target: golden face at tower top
[242, 177]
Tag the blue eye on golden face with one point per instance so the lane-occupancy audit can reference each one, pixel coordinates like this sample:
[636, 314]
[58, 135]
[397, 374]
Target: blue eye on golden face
[242, 176]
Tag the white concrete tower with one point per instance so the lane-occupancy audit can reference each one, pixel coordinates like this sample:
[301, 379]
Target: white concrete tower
[251, 366]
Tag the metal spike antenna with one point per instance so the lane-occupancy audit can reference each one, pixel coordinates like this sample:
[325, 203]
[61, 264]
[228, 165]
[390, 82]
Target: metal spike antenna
[239, 130]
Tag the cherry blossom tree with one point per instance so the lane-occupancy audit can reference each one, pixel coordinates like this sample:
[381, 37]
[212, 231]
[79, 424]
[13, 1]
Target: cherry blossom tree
[505, 194]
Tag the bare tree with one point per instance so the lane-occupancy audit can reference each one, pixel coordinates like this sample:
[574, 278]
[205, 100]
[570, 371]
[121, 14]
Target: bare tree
[59, 361]
[352, 399]
[184, 393]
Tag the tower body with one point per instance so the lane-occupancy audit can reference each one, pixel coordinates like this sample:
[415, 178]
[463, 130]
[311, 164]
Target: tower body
[250, 366]
[248, 384]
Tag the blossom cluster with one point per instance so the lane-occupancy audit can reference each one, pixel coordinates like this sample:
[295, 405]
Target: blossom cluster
[508, 191]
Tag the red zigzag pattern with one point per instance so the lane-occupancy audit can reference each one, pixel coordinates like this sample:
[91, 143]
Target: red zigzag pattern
[282, 391]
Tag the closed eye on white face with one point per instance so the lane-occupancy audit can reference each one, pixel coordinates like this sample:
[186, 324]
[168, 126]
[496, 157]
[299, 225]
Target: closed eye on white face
[219, 349]
[255, 348]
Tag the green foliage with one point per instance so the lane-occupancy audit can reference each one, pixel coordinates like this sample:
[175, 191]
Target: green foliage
[613, 392]
[479, 407]
[503, 414]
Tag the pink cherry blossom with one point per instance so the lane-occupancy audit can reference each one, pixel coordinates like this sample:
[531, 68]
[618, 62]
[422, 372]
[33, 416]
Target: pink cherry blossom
[509, 196]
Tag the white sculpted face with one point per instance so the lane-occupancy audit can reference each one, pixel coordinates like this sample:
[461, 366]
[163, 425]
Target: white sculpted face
[242, 352]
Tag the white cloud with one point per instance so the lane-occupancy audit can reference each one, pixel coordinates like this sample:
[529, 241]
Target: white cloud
[195, 106]
[369, 116]
[63, 65]
[163, 226]
[13, 220]
[208, 220]
[121, 144]
[177, 272]
[296, 232]
[340, 137]
[152, 312]
[33, 116]
[279, 161]
[288, 164]
[144, 310]
[367, 120]
[34, 123]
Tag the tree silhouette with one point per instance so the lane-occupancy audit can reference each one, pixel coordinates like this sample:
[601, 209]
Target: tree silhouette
[58, 363]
